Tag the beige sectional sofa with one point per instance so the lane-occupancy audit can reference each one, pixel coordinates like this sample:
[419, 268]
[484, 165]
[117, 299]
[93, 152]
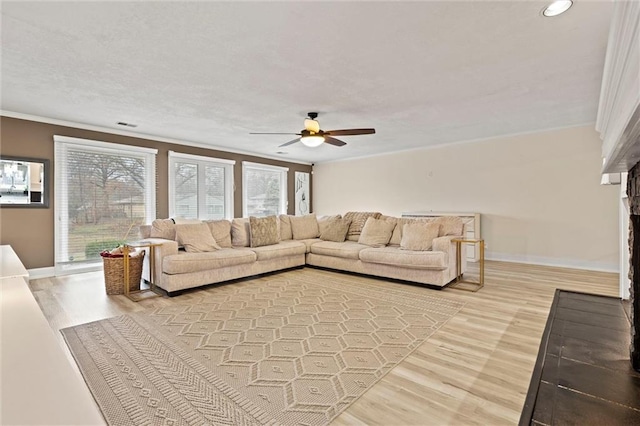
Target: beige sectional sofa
[361, 242]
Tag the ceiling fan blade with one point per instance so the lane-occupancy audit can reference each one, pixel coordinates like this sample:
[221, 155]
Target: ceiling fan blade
[350, 132]
[289, 143]
[275, 134]
[333, 141]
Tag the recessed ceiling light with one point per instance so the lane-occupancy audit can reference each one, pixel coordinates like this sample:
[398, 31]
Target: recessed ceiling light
[122, 123]
[557, 7]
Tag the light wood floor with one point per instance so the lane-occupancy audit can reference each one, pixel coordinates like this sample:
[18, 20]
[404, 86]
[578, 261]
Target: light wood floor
[474, 370]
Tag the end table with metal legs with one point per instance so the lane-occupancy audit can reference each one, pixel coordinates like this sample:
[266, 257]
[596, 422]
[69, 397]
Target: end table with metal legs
[476, 285]
[149, 293]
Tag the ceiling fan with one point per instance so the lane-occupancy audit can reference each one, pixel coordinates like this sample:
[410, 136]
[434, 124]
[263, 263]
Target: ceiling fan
[313, 136]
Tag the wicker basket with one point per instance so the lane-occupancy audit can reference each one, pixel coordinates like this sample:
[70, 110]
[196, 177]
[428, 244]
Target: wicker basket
[114, 273]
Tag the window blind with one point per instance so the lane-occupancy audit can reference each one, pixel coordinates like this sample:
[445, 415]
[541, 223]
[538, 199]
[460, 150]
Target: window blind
[264, 189]
[103, 193]
[200, 187]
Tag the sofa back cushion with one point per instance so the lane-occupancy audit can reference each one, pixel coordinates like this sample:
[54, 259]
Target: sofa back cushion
[184, 221]
[450, 225]
[376, 232]
[285, 228]
[196, 238]
[358, 220]
[240, 232]
[263, 231]
[145, 231]
[334, 229]
[419, 235]
[304, 227]
[163, 228]
[221, 231]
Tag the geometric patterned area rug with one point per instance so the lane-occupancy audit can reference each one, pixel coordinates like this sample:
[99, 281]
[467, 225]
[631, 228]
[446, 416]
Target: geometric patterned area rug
[295, 348]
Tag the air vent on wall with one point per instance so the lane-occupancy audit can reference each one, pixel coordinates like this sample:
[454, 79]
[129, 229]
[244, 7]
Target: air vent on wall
[122, 123]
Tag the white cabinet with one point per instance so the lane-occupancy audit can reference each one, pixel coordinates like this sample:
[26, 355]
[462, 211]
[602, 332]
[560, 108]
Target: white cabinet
[39, 384]
[471, 227]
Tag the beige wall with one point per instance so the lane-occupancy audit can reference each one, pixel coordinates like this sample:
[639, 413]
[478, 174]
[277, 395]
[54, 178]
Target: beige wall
[31, 231]
[539, 194]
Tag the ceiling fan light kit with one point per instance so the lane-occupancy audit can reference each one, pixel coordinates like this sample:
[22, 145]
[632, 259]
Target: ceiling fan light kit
[312, 141]
[312, 125]
[312, 136]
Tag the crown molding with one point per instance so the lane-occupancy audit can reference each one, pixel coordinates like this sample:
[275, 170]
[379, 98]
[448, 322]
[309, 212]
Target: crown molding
[619, 107]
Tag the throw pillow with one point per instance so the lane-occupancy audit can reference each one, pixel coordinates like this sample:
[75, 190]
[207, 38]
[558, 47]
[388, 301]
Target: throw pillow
[264, 231]
[221, 231]
[419, 235]
[240, 232]
[324, 220]
[395, 236]
[335, 230]
[163, 228]
[285, 227]
[304, 227]
[358, 220]
[196, 238]
[376, 232]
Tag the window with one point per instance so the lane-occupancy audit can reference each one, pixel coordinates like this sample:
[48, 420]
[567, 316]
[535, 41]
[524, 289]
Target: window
[264, 189]
[200, 187]
[103, 192]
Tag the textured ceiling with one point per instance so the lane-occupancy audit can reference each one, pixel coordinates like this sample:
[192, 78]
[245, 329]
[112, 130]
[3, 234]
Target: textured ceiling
[421, 73]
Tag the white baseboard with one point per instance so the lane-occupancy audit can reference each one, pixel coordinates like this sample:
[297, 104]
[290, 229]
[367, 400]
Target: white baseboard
[36, 273]
[554, 261]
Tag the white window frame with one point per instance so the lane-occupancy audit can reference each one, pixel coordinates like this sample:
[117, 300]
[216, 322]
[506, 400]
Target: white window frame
[61, 146]
[284, 201]
[201, 160]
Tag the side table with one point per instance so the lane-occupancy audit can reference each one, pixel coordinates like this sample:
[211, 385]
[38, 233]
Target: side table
[476, 285]
[141, 294]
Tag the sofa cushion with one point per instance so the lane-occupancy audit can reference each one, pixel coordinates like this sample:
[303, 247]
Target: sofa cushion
[240, 232]
[450, 225]
[263, 231]
[347, 249]
[419, 236]
[221, 231]
[309, 242]
[163, 228]
[358, 220]
[376, 232]
[334, 229]
[196, 238]
[304, 227]
[183, 263]
[395, 256]
[285, 227]
[184, 221]
[281, 249]
[144, 231]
